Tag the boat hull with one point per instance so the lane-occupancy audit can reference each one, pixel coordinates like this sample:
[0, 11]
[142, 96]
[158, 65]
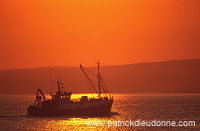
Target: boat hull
[34, 110]
[95, 109]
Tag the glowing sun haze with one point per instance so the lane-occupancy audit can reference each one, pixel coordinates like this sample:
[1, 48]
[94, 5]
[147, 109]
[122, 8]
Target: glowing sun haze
[69, 32]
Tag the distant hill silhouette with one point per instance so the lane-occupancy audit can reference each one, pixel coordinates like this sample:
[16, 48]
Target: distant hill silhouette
[178, 76]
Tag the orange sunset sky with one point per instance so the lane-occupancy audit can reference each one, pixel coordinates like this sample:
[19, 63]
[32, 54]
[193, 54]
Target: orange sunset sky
[35, 33]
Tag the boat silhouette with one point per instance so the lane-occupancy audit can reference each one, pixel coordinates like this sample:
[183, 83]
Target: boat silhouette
[61, 103]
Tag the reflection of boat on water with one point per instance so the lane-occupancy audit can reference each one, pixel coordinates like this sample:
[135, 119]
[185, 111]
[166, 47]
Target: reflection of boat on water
[61, 103]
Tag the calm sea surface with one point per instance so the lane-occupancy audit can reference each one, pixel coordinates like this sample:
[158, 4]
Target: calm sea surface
[126, 107]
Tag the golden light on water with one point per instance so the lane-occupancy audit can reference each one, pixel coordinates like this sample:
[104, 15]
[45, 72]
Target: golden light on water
[125, 107]
[73, 124]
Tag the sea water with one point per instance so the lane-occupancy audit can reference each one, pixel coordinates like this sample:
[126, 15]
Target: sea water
[126, 108]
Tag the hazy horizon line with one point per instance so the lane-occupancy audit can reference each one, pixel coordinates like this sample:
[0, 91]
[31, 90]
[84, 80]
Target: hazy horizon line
[123, 93]
[103, 65]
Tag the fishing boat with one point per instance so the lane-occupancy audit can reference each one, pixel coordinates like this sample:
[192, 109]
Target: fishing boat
[61, 103]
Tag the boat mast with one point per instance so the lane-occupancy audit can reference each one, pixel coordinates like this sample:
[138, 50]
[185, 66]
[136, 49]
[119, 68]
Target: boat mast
[99, 80]
[59, 91]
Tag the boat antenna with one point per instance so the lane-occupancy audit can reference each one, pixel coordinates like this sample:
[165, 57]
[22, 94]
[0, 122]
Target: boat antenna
[99, 79]
[50, 75]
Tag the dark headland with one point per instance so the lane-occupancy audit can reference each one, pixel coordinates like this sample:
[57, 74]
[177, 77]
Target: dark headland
[178, 76]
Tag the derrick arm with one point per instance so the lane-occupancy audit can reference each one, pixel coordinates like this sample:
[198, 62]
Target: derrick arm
[88, 78]
[40, 91]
